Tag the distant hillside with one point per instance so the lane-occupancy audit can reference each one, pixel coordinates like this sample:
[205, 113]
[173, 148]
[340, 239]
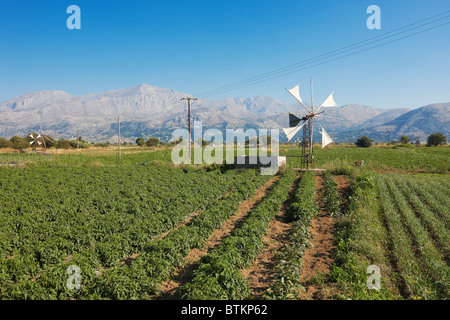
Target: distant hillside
[151, 111]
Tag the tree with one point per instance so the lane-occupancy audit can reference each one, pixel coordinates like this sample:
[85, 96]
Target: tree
[5, 143]
[436, 139]
[19, 142]
[363, 142]
[140, 141]
[151, 142]
[62, 144]
[404, 139]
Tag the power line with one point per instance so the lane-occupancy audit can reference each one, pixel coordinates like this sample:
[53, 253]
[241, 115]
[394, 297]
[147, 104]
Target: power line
[340, 57]
[295, 67]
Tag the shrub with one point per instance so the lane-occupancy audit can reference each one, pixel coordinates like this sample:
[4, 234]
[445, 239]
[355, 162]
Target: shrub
[436, 139]
[151, 142]
[363, 142]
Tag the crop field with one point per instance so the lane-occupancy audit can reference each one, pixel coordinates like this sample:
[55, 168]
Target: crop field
[85, 226]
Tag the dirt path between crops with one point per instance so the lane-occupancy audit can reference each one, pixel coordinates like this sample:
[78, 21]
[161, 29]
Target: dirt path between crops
[169, 289]
[319, 257]
[261, 273]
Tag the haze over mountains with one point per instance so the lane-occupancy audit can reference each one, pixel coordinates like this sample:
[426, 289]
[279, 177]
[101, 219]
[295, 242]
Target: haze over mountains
[147, 111]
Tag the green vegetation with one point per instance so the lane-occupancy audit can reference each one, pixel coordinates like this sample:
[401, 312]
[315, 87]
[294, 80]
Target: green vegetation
[361, 241]
[102, 215]
[436, 139]
[414, 159]
[363, 142]
[218, 274]
[289, 261]
[123, 223]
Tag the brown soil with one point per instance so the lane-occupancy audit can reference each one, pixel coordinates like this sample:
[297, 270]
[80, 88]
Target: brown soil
[261, 273]
[319, 257]
[169, 289]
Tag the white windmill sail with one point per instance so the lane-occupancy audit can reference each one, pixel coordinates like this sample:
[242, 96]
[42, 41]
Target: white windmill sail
[326, 140]
[329, 102]
[296, 93]
[290, 132]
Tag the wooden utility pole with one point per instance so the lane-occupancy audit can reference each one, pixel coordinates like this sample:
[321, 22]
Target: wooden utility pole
[118, 134]
[189, 122]
[78, 140]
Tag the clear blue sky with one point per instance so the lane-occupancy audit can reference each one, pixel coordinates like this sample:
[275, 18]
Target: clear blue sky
[196, 45]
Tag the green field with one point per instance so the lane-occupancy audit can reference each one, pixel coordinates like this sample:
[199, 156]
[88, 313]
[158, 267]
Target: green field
[129, 224]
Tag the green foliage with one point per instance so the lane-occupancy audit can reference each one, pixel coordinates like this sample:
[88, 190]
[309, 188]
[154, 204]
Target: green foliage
[436, 139]
[289, 261]
[101, 216]
[405, 139]
[140, 141]
[5, 143]
[360, 241]
[333, 200]
[152, 142]
[218, 276]
[19, 142]
[363, 142]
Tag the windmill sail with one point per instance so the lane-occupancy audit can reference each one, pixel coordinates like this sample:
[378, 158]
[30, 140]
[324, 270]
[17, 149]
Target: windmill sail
[296, 93]
[293, 120]
[290, 132]
[329, 102]
[326, 140]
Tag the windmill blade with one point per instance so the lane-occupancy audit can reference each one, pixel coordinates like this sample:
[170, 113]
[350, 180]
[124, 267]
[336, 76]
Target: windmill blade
[332, 117]
[329, 102]
[293, 120]
[290, 132]
[326, 139]
[31, 142]
[38, 136]
[296, 94]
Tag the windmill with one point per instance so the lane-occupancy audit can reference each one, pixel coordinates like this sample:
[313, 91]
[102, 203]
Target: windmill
[307, 146]
[35, 139]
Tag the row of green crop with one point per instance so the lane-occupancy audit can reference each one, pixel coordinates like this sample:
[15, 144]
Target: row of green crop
[333, 200]
[102, 214]
[420, 263]
[218, 275]
[141, 277]
[287, 284]
[361, 241]
[432, 220]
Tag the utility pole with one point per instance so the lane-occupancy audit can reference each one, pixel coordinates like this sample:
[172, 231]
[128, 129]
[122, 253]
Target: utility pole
[118, 133]
[389, 138]
[189, 121]
[78, 140]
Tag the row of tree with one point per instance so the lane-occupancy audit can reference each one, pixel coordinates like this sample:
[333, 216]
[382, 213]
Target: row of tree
[433, 140]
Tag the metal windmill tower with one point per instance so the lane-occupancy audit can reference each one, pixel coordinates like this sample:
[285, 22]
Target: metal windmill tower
[307, 145]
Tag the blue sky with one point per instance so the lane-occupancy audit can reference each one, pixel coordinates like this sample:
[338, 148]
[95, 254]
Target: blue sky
[193, 46]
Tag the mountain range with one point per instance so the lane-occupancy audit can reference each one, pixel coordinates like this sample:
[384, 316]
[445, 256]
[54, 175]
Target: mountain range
[146, 111]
